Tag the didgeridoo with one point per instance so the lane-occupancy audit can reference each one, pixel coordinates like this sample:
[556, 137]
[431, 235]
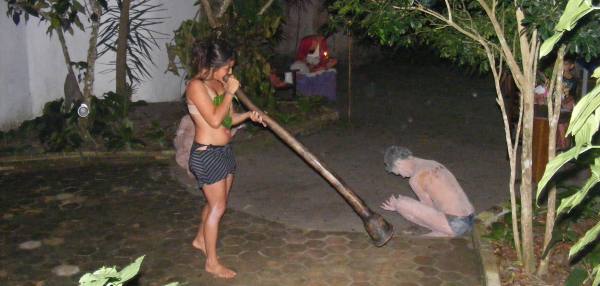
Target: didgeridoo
[376, 226]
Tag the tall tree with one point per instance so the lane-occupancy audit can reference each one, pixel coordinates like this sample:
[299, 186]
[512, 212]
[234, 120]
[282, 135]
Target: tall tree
[121, 62]
[129, 30]
[492, 36]
[61, 16]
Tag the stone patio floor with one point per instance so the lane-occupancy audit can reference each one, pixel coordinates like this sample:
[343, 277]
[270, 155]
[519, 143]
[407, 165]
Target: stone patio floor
[100, 212]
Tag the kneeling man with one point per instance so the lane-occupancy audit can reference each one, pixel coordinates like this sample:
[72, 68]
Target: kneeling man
[443, 206]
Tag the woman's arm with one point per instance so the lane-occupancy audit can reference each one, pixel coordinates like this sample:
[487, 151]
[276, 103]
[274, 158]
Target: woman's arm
[214, 115]
[238, 118]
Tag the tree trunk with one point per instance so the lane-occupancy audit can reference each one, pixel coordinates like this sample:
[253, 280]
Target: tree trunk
[554, 103]
[526, 188]
[121, 57]
[529, 48]
[92, 54]
[71, 88]
[209, 13]
[511, 146]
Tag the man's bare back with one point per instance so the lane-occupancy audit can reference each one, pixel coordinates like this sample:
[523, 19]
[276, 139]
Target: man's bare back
[442, 205]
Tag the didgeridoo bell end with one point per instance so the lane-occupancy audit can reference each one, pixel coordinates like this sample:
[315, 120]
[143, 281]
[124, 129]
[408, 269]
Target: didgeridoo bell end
[378, 229]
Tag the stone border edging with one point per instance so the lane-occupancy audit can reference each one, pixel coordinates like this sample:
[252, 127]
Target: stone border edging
[488, 258]
[162, 154]
[302, 129]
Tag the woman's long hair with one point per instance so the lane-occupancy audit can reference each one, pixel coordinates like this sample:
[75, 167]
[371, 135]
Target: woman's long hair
[210, 55]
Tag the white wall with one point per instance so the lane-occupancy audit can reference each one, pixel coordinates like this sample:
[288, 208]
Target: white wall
[32, 67]
[15, 98]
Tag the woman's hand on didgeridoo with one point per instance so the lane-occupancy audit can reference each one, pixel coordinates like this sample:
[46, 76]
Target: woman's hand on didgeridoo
[256, 117]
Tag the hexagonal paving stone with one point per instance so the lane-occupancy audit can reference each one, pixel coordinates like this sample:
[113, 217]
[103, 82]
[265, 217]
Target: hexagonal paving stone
[295, 238]
[315, 244]
[316, 253]
[358, 254]
[295, 248]
[404, 275]
[361, 284]
[428, 271]
[336, 240]
[337, 259]
[423, 260]
[358, 244]
[337, 249]
[233, 240]
[315, 234]
[293, 268]
[231, 250]
[269, 273]
[316, 283]
[359, 275]
[274, 252]
[433, 281]
[258, 237]
[272, 242]
[450, 276]
[408, 284]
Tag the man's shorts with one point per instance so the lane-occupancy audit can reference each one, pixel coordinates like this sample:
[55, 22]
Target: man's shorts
[461, 224]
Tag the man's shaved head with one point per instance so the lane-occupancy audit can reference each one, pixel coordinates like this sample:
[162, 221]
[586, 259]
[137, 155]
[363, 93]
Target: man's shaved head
[394, 153]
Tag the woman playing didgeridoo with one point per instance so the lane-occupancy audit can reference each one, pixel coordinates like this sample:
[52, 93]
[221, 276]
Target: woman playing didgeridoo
[212, 161]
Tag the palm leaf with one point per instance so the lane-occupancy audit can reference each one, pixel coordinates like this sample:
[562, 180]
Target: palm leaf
[583, 109]
[140, 41]
[567, 204]
[574, 11]
[584, 136]
[590, 237]
[555, 164]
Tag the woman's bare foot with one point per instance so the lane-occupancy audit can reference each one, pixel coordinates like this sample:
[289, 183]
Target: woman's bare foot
[199, 244]
[219, 270]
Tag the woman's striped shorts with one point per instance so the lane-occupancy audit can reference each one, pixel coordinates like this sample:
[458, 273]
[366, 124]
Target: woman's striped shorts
[211, 165]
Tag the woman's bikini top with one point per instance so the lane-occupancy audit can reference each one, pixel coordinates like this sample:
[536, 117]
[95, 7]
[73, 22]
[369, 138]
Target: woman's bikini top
[192, 107]
[217, 100]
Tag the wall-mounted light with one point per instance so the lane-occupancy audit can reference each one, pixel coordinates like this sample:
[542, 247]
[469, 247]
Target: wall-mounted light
[83, 110]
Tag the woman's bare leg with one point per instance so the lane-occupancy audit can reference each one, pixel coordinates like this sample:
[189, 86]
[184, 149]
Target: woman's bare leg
[216, 196]
[229, 183]
[199, 240]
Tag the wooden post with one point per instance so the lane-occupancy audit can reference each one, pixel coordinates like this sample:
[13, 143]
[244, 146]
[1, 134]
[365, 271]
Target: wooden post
[349, 74]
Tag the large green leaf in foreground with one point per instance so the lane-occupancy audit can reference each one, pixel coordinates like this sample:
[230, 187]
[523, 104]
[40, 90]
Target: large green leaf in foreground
[567, 204]
[555, 164]
[590, 237]
[574, 11]
[584, 109]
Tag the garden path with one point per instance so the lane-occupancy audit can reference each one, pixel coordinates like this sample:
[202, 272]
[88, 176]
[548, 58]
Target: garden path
[438, 113]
